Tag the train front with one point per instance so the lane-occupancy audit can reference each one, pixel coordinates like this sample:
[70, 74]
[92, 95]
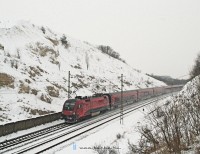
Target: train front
[68, 112]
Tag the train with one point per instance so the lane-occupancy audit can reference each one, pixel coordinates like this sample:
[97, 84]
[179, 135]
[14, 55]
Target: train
[82, 107]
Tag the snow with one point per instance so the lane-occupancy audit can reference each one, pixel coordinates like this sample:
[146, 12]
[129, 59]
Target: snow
[27, 131]
[37, 59]
[24, 43]
[106, 135]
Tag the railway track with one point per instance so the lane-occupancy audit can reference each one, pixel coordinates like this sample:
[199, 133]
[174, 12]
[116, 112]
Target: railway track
[29, 136]
[56, 135]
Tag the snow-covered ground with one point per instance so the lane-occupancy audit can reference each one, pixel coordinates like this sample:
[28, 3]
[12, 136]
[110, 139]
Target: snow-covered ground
[105, 135]
[113, 135]
[34, 63]
[27, 131]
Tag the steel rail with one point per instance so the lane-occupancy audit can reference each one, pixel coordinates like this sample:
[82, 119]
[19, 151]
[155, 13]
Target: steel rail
[81, 127]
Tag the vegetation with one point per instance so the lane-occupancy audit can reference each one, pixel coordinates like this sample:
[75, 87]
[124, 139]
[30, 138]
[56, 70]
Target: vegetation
[196, 68]
[173, 127]
[52, 91]
[64, 41]
[108, 50]
[6, 80]
[34, 91]
[1, 47]
[46, 98]
[54, 41]
[43, 30]
[169, 80]
[24, 88]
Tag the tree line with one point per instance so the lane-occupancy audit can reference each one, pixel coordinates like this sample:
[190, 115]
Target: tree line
[173, 127]
[109, 51]
[169, 80]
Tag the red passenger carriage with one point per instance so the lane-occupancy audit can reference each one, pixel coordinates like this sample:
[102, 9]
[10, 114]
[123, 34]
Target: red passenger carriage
[82, 107]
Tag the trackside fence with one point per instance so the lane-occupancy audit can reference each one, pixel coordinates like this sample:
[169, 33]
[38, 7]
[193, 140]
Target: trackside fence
[29, 123]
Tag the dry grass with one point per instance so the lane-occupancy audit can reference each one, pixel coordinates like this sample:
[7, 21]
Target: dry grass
[45, 98]
[53, 91]
[41, 70]
[42, 50]
[6, 80]
[35, 71]
[54, 61]
[55, 42]
[24, 88]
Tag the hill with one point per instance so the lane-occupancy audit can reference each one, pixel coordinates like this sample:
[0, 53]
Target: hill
[34, 66]
[169, 80]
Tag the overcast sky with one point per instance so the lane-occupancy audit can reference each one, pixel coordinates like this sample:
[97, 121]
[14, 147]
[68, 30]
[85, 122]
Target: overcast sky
[156, 36]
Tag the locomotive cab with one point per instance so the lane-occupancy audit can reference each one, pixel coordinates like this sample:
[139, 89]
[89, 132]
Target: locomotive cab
[83, 107]
[70, 108]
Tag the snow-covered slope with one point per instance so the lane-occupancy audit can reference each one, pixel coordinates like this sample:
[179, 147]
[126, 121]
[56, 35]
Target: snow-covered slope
[34, 66]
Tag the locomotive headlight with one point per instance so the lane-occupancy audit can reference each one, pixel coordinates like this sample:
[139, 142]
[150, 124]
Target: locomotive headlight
[73, 113]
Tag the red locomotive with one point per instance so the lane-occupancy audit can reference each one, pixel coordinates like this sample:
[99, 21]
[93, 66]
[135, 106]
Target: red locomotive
[81, 107]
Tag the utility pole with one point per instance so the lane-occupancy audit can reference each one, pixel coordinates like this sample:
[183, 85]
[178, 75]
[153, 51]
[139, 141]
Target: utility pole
[121, 113]
[69, 85]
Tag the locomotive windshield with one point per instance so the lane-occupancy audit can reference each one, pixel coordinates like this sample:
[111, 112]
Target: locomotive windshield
[69, 104]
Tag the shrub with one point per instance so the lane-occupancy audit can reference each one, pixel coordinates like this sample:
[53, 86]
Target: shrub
[64, 41]
[8, 54]
[119, 136]
[1, 47]
[43, 50]
[24, 88]
[46, 98]
[52, 91]
[43, 30]
[196, 68]
[55, 42]
[173, 127]
[34, 91]
[108, 50]
[18, 55]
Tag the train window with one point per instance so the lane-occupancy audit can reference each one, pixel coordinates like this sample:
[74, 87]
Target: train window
[69, 104]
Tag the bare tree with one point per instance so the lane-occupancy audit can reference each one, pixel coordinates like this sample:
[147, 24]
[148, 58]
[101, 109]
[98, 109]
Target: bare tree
[196, 68]
[175, 129]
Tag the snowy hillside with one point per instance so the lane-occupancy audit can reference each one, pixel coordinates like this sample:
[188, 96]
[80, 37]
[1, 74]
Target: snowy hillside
[173, 123]
[34, 66]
